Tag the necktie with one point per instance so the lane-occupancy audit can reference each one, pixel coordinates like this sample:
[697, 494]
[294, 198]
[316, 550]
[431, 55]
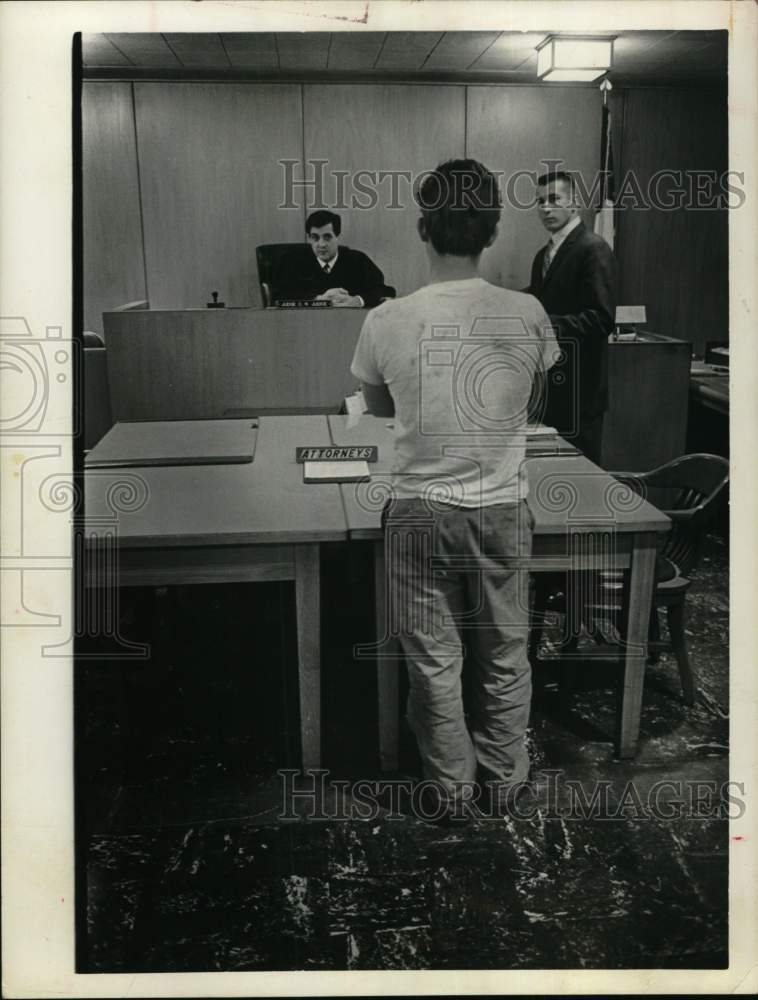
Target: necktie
[548, 257]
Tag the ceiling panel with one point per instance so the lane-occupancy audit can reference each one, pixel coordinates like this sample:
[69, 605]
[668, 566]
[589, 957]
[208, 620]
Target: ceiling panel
[301, 50]
[510, 52]
[679, 55]
[634, 44]
[98, 50]
[201, 51]
[143, 49]
[355, 49]
[457, 52]
[407, 49]
[251, 50]
[639, 56]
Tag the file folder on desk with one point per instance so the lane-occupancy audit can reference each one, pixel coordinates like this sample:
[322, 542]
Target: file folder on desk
[175, 442]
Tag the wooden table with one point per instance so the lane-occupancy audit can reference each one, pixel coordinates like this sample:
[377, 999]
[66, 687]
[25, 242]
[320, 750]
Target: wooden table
[223, 524]
[584, 520]
[259, 521]
[708, 418]
[711, 389]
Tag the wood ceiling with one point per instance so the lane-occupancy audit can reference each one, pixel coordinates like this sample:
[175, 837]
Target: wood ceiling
[640, 57]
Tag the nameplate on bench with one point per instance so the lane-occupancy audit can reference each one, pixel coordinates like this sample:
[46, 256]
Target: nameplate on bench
[302, 303]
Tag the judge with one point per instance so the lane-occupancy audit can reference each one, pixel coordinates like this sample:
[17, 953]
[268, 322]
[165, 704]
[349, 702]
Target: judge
[327, 269]
[574, 279]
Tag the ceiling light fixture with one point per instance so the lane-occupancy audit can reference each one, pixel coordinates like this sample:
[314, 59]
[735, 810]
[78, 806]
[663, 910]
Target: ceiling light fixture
[573, 59]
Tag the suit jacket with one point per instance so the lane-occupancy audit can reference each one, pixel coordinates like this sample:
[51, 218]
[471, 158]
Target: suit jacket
[579, 295]
[300, 276]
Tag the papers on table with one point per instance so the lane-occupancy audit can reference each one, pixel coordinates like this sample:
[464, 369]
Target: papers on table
[335, 472]
[355, 407]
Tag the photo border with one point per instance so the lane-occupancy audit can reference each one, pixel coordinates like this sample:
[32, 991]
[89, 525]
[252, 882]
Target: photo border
[36, 284]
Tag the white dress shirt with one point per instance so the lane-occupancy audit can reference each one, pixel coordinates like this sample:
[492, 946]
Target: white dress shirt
[556, 239]
[328, 265]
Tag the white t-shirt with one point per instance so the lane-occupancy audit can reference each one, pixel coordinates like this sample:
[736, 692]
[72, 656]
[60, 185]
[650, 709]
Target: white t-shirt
[459, 359]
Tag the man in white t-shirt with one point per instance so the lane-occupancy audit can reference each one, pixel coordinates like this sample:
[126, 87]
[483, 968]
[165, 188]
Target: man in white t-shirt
[454, 363]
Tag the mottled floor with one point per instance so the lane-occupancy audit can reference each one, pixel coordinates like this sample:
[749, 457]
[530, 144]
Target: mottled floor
[184, 864]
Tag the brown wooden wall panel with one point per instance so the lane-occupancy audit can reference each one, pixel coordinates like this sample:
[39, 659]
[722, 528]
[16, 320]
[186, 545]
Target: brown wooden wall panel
[211, 185]
[114, 265]
[675, 262]
[384, 128]
[512, 129]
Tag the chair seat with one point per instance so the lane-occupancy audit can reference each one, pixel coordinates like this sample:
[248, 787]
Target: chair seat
[670, 585]
[688, 490]
[666, 572]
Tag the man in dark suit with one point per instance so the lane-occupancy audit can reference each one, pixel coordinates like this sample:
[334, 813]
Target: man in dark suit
[326, 269]
[574, 278]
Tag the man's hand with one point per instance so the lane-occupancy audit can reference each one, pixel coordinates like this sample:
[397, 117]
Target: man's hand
[341, 297]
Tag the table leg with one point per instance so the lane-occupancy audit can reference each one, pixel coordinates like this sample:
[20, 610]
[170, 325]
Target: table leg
[308, 615]
[387, 670]
[641, 584]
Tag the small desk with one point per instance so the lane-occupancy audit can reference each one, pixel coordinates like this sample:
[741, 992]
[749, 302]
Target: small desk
[224, 524]
[708, 420]
[583, 521]
[711, 390]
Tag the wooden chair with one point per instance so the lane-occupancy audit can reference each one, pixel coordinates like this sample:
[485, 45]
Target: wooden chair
[687, 490]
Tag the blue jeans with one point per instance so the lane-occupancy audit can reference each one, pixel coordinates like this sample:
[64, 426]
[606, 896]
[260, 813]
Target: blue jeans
[451, 576]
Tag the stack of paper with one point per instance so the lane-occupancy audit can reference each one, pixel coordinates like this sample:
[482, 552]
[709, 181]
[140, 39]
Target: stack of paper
[335, 472]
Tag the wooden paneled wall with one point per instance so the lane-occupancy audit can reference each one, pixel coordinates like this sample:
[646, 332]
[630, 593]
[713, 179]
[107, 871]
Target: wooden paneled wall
[114, 261]
[515, 130]
[211, 185]
[385, 128]
[675, 262]
[182, 181]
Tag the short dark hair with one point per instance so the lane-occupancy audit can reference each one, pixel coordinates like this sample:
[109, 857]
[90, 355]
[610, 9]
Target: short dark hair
[553, 176]
[460, 205]
[322, 217]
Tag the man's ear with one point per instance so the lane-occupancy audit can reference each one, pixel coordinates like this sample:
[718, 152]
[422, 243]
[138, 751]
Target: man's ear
[421, 227]
[492, 238]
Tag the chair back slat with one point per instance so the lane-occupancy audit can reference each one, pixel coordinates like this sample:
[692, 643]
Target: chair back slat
[687, 499]
[683, 551]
